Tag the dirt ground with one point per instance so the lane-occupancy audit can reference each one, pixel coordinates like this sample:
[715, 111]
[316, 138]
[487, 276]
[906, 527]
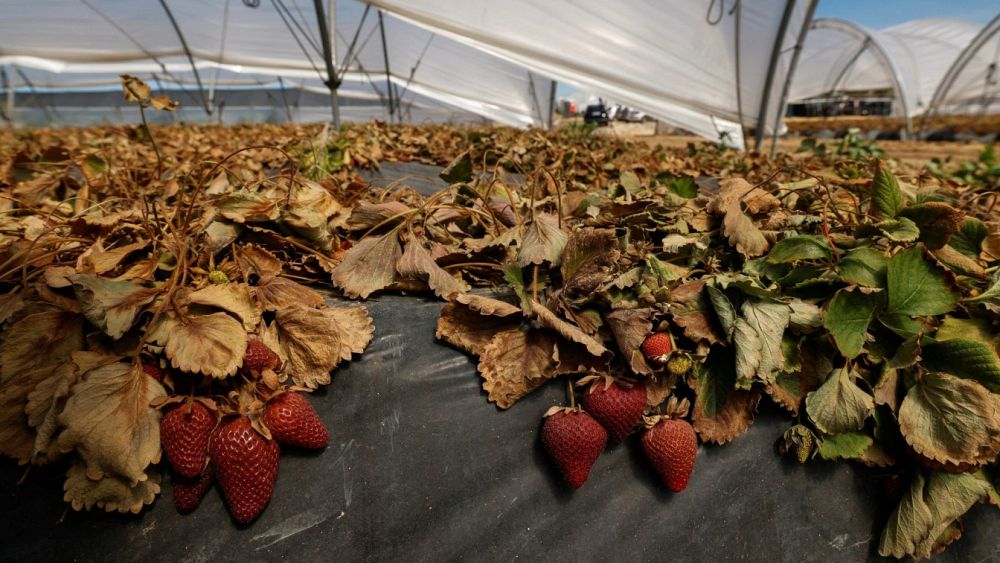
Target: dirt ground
[916, 153]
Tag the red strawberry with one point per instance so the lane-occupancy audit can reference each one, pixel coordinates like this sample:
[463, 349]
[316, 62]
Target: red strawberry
[189, 492]
[259, 357]
[671, 446]
[246, 466]
[618, 408]
[152, 370]
[293, 421]
[574, 440]
[657, 347]
[184, 434]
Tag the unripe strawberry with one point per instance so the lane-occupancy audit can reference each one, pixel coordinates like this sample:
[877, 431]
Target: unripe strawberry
[218, 277]
[574, 440]
[679, 364]
[657, 347]
[671, 446]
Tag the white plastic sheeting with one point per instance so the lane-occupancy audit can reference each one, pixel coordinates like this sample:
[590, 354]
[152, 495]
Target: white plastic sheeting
[94, 40]
[911, 57]
[702, 66]
[972, 85]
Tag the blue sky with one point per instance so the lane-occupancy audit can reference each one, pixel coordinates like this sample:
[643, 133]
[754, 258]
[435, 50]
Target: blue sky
[883, 13]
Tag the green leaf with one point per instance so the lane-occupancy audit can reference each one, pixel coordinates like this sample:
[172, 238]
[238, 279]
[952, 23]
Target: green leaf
[683, 186]
[839, 405]
[847, 318]
[864, 266]
[630, 182]
[758, 338]
[663, 271]
[515, 278]
[803, 247]
[901, 324]
[953, 329]
[917, 286]
[723, 309]
[969, 238]
[850, 445]
[886, 195]
[928, 508]
[989, 297]
[968, 359]
[459, 170]
[951, 420]
[899, 230]
[716, 380]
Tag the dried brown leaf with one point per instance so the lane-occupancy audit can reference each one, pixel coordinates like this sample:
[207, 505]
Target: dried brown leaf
[515, 363]
[110, 493]
[630, 328]
[232, 297]
[417, 263]
[314, 341]
[109, 422]
[370, 265]
[111, 306]
[569, 331]
[279, 293]
[210, 344]
[543, 241]
[41, 338]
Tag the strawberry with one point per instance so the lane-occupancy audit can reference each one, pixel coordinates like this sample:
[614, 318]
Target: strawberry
[618, 408]
[671, 446]
[259, 357]
[218, 277]
[293, 421]
[574, 440]
[246, 466]
[153, 370]
[189, 492]
[657, 347]
[184, 434]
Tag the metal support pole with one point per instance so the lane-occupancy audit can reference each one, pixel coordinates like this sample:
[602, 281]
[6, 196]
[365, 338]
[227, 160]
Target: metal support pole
[385, 57]
[765, 99]
[8, 84]
[190, 57]
[332, 82]
[552, 106]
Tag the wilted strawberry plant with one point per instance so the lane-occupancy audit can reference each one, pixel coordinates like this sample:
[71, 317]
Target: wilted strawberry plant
[164, 299]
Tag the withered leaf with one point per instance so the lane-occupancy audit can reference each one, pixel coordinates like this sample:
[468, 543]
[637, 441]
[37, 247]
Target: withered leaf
[367, 215]
[110, 305]
[468, 329]
[17, 438]
[721, 412]
[41, 338]
[486, 305]
[743, 234]
[789, 389]
[311, 212]
[279, 293]
[630, 327]
[314, 341]
[46, 402]
[569, 331]
[951, 420]
[96, 260]
[543, 241]
[211, 344]
[588, 252]
[245, 206]
[369, 265]
[515, 363]
[232, 297]
[255, 261]
[109, 422]
[417, 263]
[110, 493]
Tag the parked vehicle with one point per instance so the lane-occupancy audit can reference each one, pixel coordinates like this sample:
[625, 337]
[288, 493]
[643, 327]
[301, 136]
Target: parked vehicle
[596, 113]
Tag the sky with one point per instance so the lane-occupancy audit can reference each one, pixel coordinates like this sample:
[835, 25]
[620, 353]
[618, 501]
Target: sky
[877, 14]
